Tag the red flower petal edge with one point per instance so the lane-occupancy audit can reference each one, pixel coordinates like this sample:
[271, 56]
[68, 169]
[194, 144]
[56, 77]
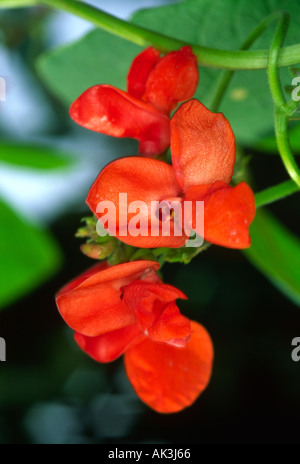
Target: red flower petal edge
[109, 346]
[228, 213]
[169, 379]
[111, 111]
[172, 80]
[139, 71]
[78, 302]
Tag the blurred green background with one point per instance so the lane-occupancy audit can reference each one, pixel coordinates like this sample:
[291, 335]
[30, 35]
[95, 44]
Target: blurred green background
[50, 392]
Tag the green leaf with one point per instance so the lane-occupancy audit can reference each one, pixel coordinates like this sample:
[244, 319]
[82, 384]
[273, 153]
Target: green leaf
[98, 58]
[33, 156]
[17, 3]
[101, 57]
[29, 255]
[275, 252]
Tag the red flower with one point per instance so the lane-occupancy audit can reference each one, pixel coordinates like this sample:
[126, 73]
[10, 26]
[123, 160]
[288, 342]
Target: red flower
[127, 309]
[155, 86]
[203, 155]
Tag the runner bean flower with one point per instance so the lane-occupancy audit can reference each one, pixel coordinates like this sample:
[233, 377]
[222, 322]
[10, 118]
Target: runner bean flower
[126, 309]
[203, 157]
[155, 85]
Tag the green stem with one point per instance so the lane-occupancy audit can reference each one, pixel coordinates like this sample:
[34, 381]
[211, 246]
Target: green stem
[211, 57]
[273, 74]
[282, 110]
[283, 144]
[226, 76]
[227, 59]
[273, 194]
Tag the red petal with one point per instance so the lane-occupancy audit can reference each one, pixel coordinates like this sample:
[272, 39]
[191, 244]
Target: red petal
[202, 146]
[169, 379]
[111, 111]
[140, 70]
[141, 179]
[171, 327]
[92, 305]
[108, 347]
[82, 277]
[228, 213]
[148, 302]
[173, 79]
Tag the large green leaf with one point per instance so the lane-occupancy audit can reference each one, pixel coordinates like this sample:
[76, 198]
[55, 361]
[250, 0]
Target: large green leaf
[276, 253]
[33, 156]
[98, 58]
[102, 58]
[28, 256]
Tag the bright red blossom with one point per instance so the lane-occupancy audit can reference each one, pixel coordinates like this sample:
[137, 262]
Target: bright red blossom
[126, 309]
[203, 157]
[155, 85]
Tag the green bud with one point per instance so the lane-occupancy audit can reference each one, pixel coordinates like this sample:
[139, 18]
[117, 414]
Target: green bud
[97, 251]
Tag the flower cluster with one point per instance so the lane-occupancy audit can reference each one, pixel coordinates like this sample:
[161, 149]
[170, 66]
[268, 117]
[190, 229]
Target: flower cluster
[126, 309]
[203, 156]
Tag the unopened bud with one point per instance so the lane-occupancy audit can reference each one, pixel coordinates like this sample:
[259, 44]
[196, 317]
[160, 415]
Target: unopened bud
[97, 251]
